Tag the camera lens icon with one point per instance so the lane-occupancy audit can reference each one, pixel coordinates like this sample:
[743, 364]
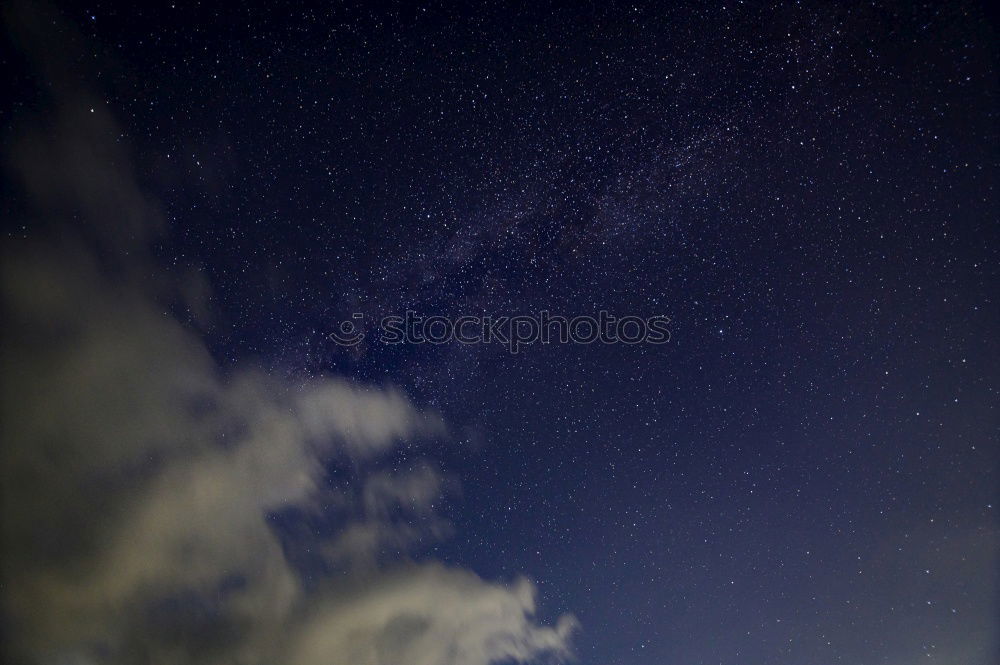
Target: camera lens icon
[348, 333]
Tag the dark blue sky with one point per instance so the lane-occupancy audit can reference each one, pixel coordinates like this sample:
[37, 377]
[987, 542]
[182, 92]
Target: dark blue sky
[805, 473]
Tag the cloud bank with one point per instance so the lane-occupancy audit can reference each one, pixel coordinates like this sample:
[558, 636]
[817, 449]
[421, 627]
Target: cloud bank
[140, 479]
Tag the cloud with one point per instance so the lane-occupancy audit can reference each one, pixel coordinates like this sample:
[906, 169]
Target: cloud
[429, 615]
[414, 491]
[367, 421]
[395, 513]
[140, 479]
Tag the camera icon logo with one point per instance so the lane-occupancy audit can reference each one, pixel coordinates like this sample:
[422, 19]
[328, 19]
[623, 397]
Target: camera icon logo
[348, 333]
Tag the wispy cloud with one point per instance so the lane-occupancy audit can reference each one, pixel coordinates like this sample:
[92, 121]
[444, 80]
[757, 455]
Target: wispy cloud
[139, 477]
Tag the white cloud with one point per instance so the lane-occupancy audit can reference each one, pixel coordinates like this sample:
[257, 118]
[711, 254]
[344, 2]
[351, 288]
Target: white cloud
[138, 476]
[428, 615]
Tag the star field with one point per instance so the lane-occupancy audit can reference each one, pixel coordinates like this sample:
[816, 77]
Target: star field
[805, 473]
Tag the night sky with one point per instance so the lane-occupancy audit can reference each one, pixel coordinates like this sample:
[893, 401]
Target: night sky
[196, 195]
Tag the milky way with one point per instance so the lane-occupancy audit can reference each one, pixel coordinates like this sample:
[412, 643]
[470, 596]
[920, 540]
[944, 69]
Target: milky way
[196, 196]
